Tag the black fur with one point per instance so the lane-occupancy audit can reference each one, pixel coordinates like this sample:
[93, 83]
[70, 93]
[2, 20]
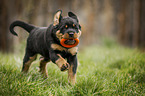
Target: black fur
[41, 38]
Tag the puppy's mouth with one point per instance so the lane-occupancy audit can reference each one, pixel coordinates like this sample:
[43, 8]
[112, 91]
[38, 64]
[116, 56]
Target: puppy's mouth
[70, 42]
[69, 39]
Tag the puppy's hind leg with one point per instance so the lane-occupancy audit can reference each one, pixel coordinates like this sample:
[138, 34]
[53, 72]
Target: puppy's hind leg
[28, 59]
[43, 66]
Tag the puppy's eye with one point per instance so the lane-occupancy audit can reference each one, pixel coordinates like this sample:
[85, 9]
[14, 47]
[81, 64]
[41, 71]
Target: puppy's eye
[66, 26]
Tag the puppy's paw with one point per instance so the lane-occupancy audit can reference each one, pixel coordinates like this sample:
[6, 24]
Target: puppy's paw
[62, 63]
[64, 67]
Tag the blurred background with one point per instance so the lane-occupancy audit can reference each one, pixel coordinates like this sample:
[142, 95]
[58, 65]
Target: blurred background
[120, 20]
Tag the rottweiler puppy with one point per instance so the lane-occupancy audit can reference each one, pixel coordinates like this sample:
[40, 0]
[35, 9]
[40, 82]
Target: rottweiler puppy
[46, 41]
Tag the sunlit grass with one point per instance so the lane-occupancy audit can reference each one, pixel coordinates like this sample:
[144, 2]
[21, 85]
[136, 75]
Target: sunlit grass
[102, 70]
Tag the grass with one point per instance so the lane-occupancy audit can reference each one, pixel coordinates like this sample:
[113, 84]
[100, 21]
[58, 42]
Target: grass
[105, 70]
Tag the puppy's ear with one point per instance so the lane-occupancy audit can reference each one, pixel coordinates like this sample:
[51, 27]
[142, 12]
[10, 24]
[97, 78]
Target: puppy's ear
[57, 17]
[72, 15]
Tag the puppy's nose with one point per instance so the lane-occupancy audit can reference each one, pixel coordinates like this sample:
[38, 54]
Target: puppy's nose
[71, 34]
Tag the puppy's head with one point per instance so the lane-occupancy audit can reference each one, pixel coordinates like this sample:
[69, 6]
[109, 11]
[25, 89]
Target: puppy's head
[67, 28]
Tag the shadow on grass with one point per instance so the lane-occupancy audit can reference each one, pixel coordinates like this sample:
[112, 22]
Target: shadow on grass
[88, 87]
[118, 64]
[139, 78]
[134, 69]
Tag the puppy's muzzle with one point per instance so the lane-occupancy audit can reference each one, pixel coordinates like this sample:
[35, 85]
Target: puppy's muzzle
[71, 34]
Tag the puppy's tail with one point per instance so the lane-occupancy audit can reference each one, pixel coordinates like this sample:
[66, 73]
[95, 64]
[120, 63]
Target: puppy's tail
[27, 27]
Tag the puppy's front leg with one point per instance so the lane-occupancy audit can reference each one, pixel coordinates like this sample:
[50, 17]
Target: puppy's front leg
[72, 60]
[62, 63]
[59, 61]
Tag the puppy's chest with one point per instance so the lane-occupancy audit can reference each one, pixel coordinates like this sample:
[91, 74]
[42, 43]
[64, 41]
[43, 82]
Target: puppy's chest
[72, 51]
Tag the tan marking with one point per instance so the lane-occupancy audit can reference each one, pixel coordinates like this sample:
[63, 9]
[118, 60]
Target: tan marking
[71, 76]
[43, 68]
[61, 61]
[79, 33]
[75, 35]
[73, 50]
[59, 35]
[66, 36]
[56, 18]
[57, 47]
[28, 63]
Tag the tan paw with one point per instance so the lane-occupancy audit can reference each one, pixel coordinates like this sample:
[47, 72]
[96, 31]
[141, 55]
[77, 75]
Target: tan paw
[62, 63]
[64, 67]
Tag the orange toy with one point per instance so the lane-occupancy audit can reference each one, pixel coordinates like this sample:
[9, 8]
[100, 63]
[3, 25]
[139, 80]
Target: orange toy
[69, 46]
